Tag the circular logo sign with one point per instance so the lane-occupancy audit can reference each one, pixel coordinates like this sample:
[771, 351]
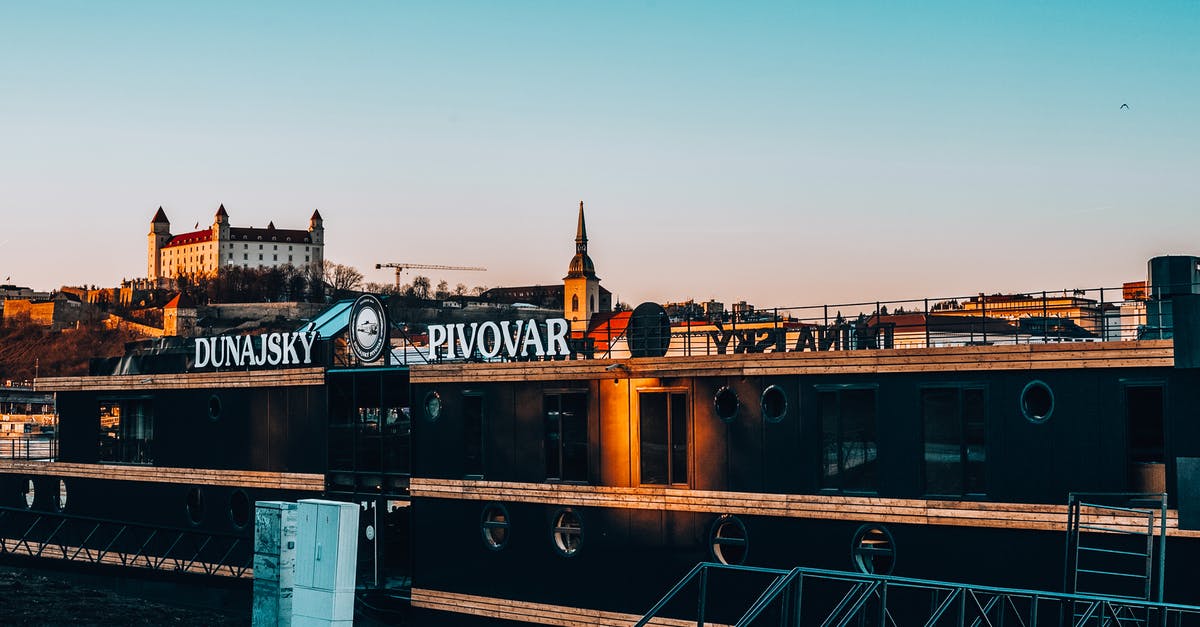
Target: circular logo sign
[368, 333]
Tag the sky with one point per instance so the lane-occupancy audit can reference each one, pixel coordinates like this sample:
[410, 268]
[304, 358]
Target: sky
[780, 153]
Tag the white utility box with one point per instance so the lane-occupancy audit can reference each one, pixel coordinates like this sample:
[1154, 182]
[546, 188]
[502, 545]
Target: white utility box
[326, 562]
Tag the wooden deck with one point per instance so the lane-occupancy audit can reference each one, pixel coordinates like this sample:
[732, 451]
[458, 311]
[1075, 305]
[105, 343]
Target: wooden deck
[1147, 353]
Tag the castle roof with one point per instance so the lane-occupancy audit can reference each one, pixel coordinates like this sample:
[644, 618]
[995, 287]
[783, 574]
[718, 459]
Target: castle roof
[221, 211]
[181, 301]
[316, 215]
[271, 234]
[160, 216]
[195, 237]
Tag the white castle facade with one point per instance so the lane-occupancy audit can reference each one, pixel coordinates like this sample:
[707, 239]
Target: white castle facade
[220, 246]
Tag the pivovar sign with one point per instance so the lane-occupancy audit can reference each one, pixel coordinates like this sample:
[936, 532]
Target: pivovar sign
[510, 339]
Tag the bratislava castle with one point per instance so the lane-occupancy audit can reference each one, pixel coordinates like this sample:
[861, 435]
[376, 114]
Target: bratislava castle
[221, 246]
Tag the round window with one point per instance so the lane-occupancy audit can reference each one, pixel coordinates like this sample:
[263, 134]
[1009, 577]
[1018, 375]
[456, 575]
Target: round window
[774, 404]
[568, 533]
[214, 407]
[494, 525]
[1037, 401]
[195, 506]
[62, 495]
[239, 509]
[433, 405]
[28, 494]
[874, 550]
[728, 541]
[726, 403]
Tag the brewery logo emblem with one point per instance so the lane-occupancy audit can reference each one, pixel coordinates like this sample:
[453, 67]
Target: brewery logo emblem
[368, 335]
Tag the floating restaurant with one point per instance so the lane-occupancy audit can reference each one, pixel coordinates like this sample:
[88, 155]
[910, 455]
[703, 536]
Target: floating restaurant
[615, 467]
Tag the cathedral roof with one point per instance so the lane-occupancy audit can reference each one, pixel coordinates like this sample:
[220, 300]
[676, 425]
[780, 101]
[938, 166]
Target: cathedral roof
[160, 216]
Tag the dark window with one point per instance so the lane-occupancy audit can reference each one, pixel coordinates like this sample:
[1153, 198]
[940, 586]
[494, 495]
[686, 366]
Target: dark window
[494, 526]
[1037, 401]
[566, 442]
[848, 446]
[574, 302]
[774, 404]
[874, 550]
[726, 403]
[126, 431]
[664, 437]
[1144, 417]
[239, 509]
[955, 423]
[472, 435]
[195, 506]
[568, 533]
[728, 541]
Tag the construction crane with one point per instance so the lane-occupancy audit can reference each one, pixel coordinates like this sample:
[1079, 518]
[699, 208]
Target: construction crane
[401, 267]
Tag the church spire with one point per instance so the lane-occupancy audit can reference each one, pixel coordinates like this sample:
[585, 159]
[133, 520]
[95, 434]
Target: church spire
[581, 234]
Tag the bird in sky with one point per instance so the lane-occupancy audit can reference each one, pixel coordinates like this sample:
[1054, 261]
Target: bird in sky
[1125, 106]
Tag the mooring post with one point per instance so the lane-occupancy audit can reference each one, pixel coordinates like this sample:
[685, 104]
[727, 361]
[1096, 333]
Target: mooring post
[274, 563]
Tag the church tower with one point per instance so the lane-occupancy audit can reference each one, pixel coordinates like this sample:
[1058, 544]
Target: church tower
[221, 238]
[581, 286]
[160, 234]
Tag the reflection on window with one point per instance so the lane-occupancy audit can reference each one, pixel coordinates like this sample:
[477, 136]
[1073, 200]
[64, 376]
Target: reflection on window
[955, 437]
[848, 445]
[664, 437]
[126, 431]
[473, 435]
[566, 442]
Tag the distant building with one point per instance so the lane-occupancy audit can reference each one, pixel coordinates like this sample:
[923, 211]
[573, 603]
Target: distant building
[179, 316]
[221, 245]
[1085, 312]
[580, 295]
[62, 310]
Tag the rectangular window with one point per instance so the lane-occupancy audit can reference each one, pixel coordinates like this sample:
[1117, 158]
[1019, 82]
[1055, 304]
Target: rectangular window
[126, 431]
[566, 438]
[245, 257]
[472, 435]
[663, 428]
[849, 453]
[1144, 423]
[955, 428]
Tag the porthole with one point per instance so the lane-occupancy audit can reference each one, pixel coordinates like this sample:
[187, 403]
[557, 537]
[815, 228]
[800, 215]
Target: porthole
[239, 509]
[774, 403]
[214, 407]
[728, 541]
[1037, 401]
[61, 502]
[433, 405]
[568, 533]
[28, 494]
[874, 551]
[494, 525]
[195, 506]
[726, 403]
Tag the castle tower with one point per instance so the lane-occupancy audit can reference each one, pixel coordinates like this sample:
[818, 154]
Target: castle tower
[581, 286]
[160, 234]
[316, 229]
[220, 237]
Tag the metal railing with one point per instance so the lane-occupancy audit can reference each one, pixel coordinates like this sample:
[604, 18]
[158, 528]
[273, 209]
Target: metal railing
[719, 594]
[29, 448]
[56, 535]
[1073, 315]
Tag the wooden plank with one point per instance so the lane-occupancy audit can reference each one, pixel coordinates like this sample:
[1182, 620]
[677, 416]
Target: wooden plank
[1033, 516]
[1155, 353]
[228, 379]
[539, 613]
[310, 482]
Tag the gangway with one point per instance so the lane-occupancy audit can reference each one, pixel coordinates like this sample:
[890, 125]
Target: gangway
[742, 596]
[60, 536]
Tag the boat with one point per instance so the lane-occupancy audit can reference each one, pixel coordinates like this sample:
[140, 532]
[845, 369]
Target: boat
[531, 472]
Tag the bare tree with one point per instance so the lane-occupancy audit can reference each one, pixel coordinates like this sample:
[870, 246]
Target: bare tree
[419, 287]
[442, 291]
[342, 278]
[460, 290]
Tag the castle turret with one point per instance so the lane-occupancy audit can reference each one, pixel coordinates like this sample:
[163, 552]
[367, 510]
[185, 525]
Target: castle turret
[316, 232]
[581, 286]
[220, 232]
[160, 234]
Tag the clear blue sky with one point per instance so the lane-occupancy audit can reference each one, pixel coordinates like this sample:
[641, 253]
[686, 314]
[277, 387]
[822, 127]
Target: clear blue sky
[784, 153]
